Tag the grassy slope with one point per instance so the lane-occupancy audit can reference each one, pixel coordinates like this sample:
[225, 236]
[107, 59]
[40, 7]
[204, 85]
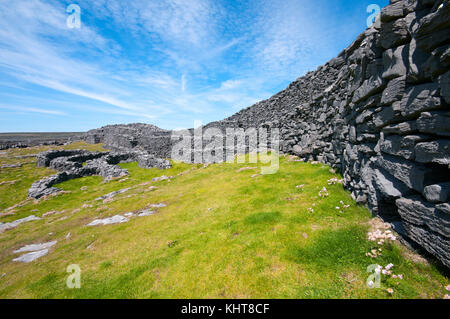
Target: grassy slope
[232, 236]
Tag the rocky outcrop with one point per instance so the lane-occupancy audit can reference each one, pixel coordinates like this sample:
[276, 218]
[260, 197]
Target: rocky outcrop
[379, 112]
[80, 163]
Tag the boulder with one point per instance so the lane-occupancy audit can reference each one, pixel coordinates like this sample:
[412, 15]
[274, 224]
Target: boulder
[437, 193]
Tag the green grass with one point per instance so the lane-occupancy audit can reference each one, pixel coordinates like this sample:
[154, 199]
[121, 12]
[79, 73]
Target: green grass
[223, 234]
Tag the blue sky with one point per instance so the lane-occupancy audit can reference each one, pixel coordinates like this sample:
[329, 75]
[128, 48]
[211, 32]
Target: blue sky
[166, 63]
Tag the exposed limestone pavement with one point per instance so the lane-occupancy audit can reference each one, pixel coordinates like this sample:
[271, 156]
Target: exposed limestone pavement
[33, 252]
[16, 223]
[118, 219]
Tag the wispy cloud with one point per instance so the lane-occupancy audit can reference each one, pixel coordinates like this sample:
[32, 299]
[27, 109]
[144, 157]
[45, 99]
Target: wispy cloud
[17, 108]
[161, 61]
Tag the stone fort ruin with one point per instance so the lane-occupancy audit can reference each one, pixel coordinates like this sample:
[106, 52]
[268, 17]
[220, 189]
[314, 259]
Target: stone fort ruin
[379, 112]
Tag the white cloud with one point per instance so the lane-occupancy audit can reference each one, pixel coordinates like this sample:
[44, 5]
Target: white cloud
[183, 82]
[31, 110]
[160, 60]
[230, 84]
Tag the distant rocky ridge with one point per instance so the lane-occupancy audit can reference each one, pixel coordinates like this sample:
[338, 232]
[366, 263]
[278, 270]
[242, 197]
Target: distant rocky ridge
[22, 140]
[379, 112]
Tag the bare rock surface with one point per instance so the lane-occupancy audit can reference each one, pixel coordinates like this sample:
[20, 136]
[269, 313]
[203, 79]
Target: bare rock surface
[117, 219]
[35, 247]
[17, 222]
[29, 257]
[112, 194]
[33, 251]
[146, 212]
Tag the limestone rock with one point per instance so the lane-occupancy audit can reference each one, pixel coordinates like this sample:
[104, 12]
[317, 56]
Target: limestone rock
[29, 257]
[436, 122]
[17, 222]
[416, 212]
[394, 33]
[35, 247]
[444, 83]
[102, 164]
[401, 145]
[433, 30]
[437, 193]
[437, 151]
[117, 219]
[394, 62]
[394, 91]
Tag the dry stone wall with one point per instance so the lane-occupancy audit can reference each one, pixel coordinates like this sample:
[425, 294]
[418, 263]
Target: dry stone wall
[73, 164]
[379, 112]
